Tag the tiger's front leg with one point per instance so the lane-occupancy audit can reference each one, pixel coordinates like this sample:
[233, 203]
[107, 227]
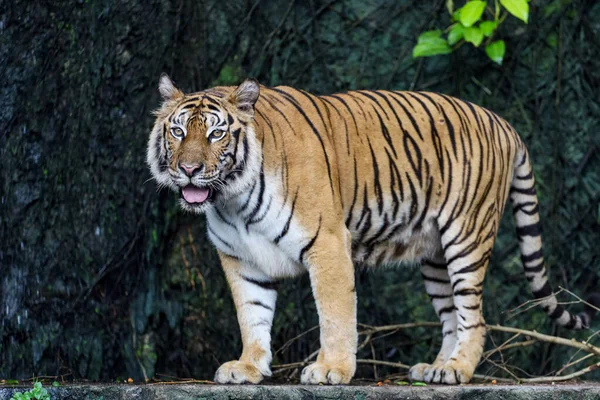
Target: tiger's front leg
[254, 296]
[332, 279]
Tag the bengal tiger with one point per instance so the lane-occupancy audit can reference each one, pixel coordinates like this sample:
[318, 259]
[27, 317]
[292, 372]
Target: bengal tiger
[291, 182]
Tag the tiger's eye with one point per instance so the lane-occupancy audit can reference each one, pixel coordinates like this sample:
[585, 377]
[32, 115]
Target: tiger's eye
[177, 133]
[216, 135]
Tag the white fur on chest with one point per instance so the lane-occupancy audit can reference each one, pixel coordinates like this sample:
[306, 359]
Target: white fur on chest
[255, 242]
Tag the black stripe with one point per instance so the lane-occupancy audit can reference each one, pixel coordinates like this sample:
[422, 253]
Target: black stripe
[467, 292]
[221, 239]
[267, 285]
[262, 322]
[535, 268]
[414, 200]
[310, 243]
[260, 304]
[521, 207]
[412, 149]
[349, 217]
[557, 313]
[262, 216]
[286, 227]
[434, 279]
[406, 112]
[529, 191]
[377, 184]
[162, 161]
[532, 257]
[259, 201]
[343, 120]
[427, 199]
[456, 282]
[545, 291]
[474, 266]
[440, 296]
[526, 177]
[294, 102]
[450, 131]
[223, 219]
[435, 265]
[572, 322]
[247, 202]
[446, 310]
[529, 230]
[479, 325]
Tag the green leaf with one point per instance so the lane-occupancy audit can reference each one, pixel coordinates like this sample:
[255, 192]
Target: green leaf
[37, 385]
[419, 384]
[55, 384]
[518, 8]
[488, 27]
[433, 47]
[429, 35]
[472, 12]
[456, 33]
[495, 51]
[431, 44]
[12, 382]
[474, 35]
[450, 6]
[401, 383]
[456, 15]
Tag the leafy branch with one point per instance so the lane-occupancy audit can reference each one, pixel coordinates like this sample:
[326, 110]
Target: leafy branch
[471, 24]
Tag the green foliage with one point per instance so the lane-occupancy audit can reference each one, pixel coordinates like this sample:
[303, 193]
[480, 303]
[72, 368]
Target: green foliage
[37, 392]
[431, 43]
[473, 35]
[495, 51]
[465, 29]
[471, 13]
[518, 8]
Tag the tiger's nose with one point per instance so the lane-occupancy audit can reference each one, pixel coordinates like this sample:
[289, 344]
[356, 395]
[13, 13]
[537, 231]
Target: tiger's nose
[189, 169]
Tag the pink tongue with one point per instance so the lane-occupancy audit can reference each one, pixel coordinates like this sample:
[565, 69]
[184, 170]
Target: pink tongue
[193, 194]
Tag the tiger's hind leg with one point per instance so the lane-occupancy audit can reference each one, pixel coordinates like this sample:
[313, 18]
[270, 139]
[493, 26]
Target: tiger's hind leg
[467, 249]
[439, 289]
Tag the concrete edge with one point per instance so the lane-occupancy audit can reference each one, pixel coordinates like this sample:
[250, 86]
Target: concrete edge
[583, 391]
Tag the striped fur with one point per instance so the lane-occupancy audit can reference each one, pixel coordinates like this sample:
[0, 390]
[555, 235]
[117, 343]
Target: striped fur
[302, 183]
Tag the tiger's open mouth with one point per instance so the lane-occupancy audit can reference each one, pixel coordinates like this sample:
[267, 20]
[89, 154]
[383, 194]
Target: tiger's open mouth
[195, 195]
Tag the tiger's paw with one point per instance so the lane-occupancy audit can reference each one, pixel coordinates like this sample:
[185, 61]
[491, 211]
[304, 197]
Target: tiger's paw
[238, 372]
[450, 373]
[319, 372]
[416, 373]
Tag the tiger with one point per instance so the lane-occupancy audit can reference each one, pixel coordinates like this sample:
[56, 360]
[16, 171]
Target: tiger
[293, 183]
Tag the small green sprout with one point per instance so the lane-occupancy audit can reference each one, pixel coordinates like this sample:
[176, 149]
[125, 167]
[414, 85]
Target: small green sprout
[37, 393]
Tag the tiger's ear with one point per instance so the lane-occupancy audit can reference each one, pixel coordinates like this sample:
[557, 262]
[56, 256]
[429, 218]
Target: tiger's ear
[244, 96]
[167, 89]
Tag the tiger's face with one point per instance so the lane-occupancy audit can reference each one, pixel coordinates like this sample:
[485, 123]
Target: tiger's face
[203, 145]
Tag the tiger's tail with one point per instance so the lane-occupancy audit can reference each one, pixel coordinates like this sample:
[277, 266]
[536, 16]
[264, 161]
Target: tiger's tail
[527, 220]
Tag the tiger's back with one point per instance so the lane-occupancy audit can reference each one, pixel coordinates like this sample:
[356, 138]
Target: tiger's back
[397, 159]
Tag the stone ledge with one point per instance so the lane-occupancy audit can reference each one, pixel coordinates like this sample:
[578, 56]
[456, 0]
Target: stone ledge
[583, 391]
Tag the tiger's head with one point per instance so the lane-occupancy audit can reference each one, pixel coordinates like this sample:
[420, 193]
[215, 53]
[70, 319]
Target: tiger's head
[203, 145]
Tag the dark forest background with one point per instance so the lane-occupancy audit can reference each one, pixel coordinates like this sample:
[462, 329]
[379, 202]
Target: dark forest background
[103, 278]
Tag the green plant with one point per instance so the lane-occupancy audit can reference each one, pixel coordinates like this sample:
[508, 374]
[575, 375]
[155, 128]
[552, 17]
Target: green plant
[469, 26]
[37, 392]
